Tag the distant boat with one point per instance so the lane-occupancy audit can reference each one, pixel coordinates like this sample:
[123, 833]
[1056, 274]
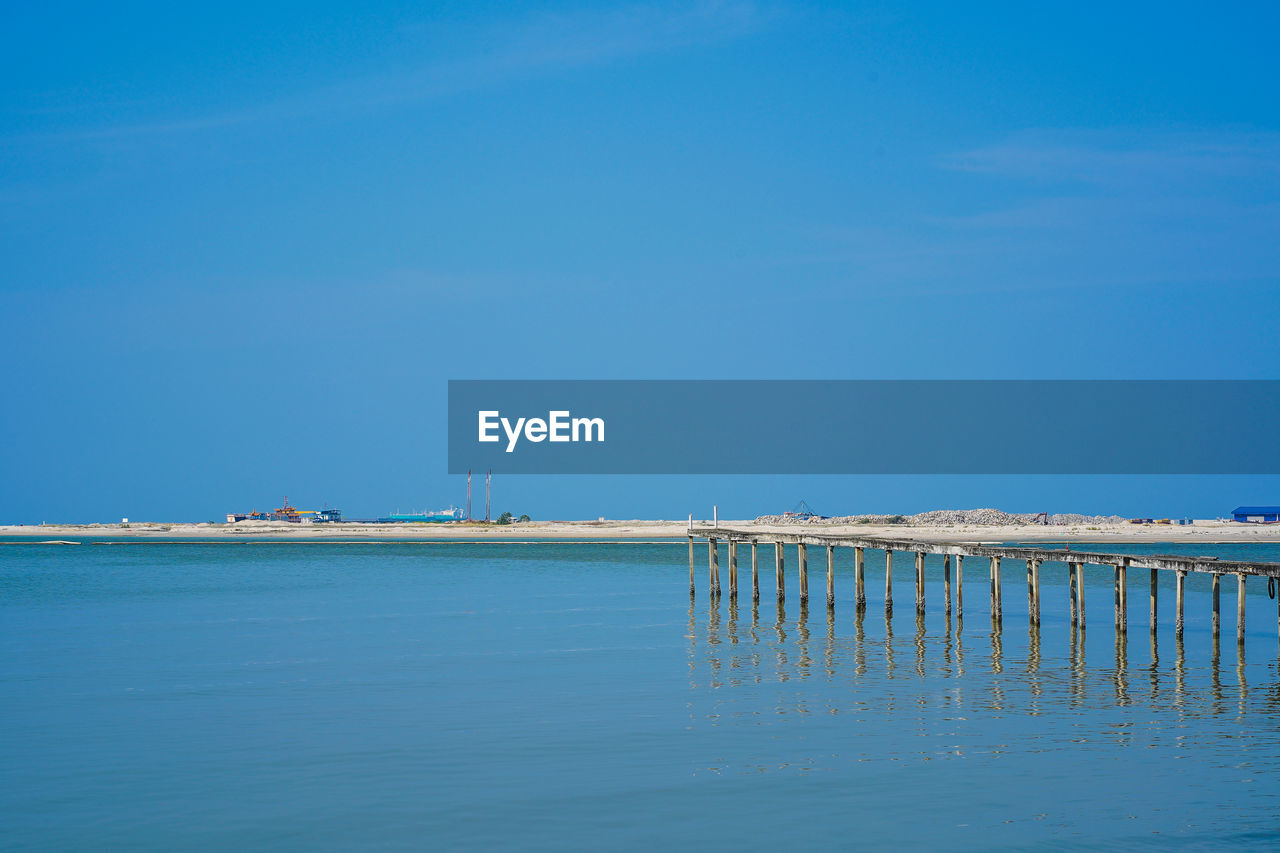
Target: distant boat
[442, 515]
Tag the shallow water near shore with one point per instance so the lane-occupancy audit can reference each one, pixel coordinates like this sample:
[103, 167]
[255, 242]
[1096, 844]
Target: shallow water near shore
[207, 696]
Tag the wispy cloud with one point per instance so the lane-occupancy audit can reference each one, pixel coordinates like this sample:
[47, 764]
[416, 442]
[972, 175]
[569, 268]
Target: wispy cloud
[1118, 158]
[1088, 209]
[535, 45]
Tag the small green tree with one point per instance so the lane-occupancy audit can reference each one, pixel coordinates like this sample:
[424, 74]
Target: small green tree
[505, 518]
[525, 517]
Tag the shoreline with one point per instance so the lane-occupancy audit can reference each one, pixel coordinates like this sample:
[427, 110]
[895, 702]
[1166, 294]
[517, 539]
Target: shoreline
[531, 532]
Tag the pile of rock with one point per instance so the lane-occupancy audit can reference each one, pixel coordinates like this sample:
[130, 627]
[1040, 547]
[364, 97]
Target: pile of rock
[1076, 518]
[950, 518]
[986, 517]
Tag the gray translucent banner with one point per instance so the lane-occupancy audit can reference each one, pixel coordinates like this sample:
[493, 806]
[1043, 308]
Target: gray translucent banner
[865, 427]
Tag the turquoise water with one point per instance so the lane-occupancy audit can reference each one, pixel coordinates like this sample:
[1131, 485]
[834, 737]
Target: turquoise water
[301, 697]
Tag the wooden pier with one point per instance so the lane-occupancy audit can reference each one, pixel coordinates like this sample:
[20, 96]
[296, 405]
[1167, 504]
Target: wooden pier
[955, 553]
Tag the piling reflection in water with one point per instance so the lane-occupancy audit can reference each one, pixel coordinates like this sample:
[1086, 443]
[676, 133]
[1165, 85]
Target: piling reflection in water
[725, 651]
[769, 669]
[1121, 672]
[919, 642]
[803, 662]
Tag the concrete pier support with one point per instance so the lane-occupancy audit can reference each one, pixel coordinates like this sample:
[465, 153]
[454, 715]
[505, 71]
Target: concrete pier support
[1035, 580]
[995, 589]
[713, 561]
[1031, 596]
[1217, 613]
[919, 582]
[778, 565]
[946, 583]
[888, 582]
[859, 580]
[1240, 576]
[755, 572]
[1080, 595]
[831, 576]
[1033, 591]
[1116, 594]
[691, 584]
[1177, 604]
[1121, 604]
[733, 569]
[804, 573]
[1155, 592]
[1071, 590]
[1124, 596]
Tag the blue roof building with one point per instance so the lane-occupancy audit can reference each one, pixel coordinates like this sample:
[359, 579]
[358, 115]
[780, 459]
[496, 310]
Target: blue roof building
[1257, 514]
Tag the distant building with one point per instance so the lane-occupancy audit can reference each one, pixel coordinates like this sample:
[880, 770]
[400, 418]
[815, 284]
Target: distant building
[287, 513]
[1257, 514]
[233, 517]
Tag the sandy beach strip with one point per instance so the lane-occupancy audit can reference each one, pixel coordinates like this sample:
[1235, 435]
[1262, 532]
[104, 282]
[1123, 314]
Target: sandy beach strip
[1203, 532]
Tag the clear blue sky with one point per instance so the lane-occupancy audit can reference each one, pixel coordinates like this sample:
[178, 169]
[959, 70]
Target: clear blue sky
[245, 245]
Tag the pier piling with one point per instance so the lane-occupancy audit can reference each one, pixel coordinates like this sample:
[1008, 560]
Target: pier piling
[1177, 603]
[778, 565]
[1116, 594]
[1154, 594]
[733, 569]
[1124, 595]
[831, 577]
[1121, 605]
[804, 574]
[1033, 591]
[959, 586]
[1240, 608]
[946, 583]
[919, 582]
[691, 585]
[1217, 613]
[888, 582]
[1071, 591]
[755, 571]
[713, 560]
[1080, 595]
[995, 589]
[1035, 579]
[859, 580]
[1031, 596]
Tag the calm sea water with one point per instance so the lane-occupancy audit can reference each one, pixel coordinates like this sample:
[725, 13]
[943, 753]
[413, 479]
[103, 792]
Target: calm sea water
[302, 697]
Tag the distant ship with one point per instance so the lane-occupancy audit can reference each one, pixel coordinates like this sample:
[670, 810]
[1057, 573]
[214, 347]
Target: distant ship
[450, 514]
